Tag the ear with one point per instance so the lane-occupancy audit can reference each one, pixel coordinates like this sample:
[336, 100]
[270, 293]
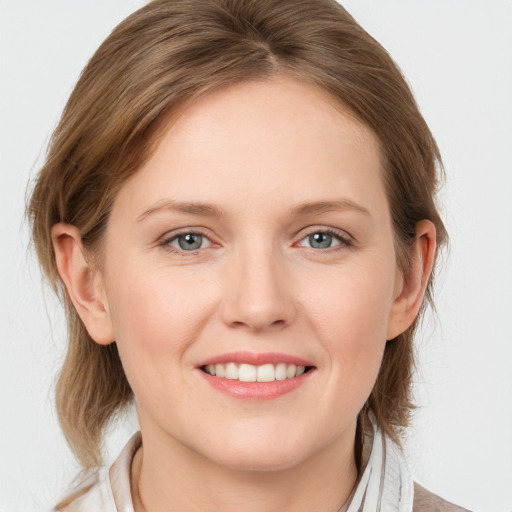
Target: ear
[83, 283]
[412, 285]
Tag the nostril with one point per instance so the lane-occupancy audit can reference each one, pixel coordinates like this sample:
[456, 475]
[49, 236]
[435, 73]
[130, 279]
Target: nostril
[258, 324]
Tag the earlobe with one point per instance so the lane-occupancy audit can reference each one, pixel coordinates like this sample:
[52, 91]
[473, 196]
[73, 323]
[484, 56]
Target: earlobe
[83, 283]
[413, 284]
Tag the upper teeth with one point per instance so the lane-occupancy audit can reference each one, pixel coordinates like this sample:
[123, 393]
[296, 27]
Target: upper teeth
[249, 373]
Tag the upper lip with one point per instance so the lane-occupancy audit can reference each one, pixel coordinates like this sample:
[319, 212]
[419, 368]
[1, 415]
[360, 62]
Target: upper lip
[255, 359]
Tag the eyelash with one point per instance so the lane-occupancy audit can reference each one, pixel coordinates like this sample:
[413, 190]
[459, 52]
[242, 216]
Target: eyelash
[344, 241]
[165, 243]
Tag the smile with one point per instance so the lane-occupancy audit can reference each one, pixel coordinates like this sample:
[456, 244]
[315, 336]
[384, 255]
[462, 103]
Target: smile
[251, 376]
[251, 373]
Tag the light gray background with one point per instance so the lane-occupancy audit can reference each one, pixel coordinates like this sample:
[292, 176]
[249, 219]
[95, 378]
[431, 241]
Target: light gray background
[457, 55]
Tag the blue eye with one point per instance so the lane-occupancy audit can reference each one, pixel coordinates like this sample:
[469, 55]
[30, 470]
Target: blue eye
[323, 240]
[320, 240]
[189, 242]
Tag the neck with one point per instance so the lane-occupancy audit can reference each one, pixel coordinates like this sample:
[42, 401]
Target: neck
[179, 479]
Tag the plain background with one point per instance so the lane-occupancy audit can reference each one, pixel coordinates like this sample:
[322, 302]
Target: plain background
[457, 55]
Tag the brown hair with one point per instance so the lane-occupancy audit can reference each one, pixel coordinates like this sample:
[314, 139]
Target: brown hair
[159, 59]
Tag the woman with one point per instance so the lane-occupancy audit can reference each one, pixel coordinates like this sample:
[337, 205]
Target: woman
[238, 207]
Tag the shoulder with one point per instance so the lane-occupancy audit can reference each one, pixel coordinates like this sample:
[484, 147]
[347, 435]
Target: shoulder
[95, 495]
[425, 501]
[107, 490]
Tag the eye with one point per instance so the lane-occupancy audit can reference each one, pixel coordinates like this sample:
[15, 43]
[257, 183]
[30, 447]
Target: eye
[321, 240]
[324, 240]
[188, 242]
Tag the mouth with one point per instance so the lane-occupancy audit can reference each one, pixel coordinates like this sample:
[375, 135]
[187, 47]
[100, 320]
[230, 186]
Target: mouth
[251, 376]
[245, 372]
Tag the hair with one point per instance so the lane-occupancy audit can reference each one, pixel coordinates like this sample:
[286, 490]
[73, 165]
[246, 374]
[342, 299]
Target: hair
[157, 61]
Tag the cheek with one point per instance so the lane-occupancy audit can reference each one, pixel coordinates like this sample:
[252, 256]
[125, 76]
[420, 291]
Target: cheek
[351, 317]
[155, 318]
[355, 301]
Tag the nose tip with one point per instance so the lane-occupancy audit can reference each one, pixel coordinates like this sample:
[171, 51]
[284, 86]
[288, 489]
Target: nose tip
[259, 297]
[258, 319]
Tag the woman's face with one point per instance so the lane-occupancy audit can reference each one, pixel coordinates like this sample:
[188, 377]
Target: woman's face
[255, 241]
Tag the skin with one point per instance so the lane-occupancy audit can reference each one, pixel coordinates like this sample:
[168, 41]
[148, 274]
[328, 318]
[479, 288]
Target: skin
[257, 153]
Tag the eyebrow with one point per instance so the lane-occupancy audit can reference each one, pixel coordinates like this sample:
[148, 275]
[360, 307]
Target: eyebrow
[328, 206]
[208, 210]
[201, 209]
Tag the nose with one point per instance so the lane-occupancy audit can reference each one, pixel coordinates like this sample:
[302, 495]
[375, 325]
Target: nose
[259, 292]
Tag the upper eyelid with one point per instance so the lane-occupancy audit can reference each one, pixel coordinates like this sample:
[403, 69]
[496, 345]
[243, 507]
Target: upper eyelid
[341, 242]
[340, 233]
[173, 234]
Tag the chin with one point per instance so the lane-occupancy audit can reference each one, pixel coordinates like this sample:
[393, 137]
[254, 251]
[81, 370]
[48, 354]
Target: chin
[263, 452]
[258, 461]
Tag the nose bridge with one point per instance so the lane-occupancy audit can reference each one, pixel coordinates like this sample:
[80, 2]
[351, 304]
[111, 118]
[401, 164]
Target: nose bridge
[257, 296]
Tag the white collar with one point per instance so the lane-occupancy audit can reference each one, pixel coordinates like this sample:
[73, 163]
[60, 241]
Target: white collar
[386, 484]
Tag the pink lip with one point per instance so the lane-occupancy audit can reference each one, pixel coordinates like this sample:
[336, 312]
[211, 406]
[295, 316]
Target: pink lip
[255, 391]
[255, 359]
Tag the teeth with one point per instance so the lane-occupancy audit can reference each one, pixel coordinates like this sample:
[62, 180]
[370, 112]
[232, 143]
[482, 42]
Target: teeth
[231, 371]
[250, 373]
[265, 373]
[281, 371]
[247, 373]
[219, 370]
[290, 371]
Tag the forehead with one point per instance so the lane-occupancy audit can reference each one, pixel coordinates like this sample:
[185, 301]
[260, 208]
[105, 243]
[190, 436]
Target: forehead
[256, 111]
[279, 136]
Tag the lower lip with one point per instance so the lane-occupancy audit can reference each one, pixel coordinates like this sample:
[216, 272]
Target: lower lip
[257, 391]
